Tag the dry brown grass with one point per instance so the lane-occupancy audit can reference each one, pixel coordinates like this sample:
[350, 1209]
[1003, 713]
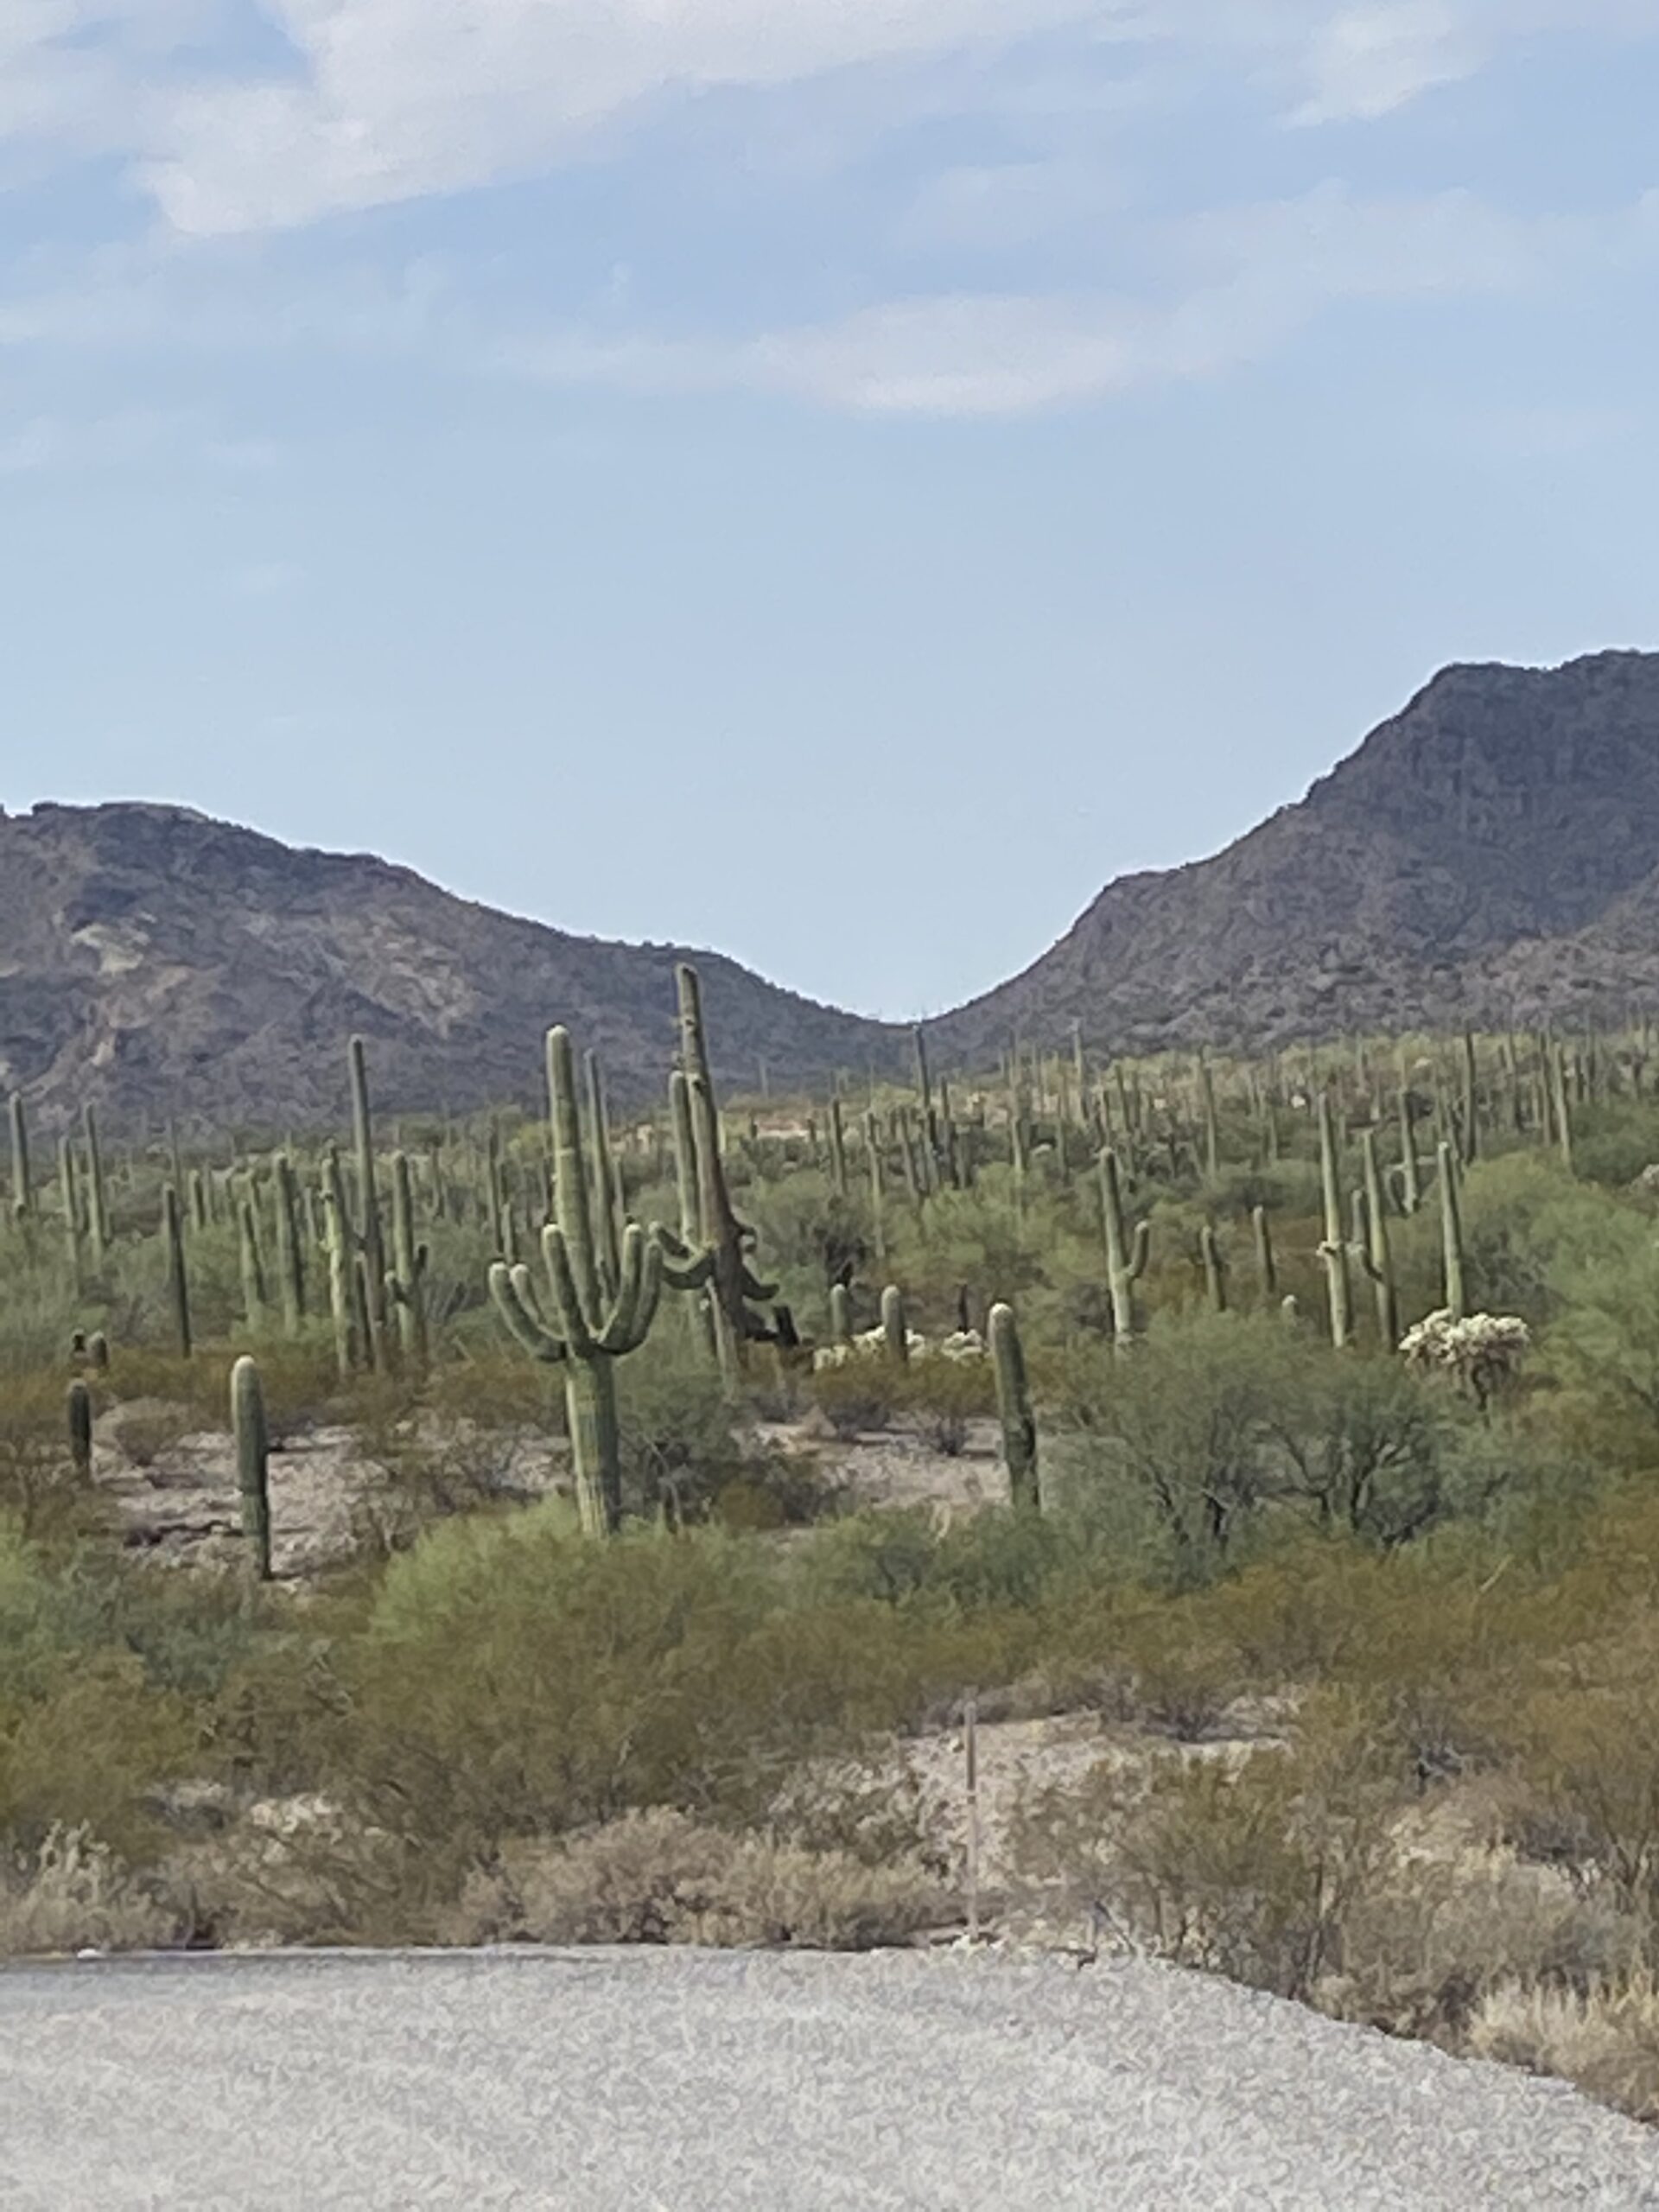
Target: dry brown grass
[1605, 2039]
[659, 1877]
[73, 1894]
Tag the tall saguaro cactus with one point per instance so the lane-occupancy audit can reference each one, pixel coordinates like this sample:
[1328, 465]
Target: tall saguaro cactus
[290, 1247]
[1376, 1255]
[178, 1279]
[1126, 1252]
[372, 1243]
[23, 1188]
[337, 1244]
[406, 1284]
[1014, 1407]
[719, 1260]
[1332, 1249]
[97, 1209]
[590, 1327]
[1452, 1234]
[252, 1449]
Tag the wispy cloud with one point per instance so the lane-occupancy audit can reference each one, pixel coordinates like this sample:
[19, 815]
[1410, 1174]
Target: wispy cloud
[346, 105]
[1256, 276]
[365, 103]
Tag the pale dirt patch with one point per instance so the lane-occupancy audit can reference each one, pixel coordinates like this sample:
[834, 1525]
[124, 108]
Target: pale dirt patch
[898, 1466]
[183, 1506]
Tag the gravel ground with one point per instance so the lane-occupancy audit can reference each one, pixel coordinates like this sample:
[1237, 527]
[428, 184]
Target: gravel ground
[694, 2082]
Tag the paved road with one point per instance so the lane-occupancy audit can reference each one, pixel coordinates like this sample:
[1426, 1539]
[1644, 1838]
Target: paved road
[698, 2082]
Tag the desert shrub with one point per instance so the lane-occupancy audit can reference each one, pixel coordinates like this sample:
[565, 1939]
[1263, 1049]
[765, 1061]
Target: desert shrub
[1605, 2039]
[871, 1806]
[92, 1751]
[861, 1395]
[70, 1893]
[493, 1388]
[679, 1441]
[659, 1877]
[39, 1487]
[294, 1870]
[873, 1554]
[778, 1488]
[942, 1396]
[510, 1680]
[1589, 1752]
[1188, 1420]
[1427, 1944]
[1246, 1867]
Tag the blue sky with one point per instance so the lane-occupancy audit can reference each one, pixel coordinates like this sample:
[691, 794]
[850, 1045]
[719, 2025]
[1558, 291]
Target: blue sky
[833, 479]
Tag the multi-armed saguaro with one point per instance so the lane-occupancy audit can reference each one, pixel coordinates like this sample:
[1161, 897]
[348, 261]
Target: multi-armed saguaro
[594, 1322]
[716, 1259]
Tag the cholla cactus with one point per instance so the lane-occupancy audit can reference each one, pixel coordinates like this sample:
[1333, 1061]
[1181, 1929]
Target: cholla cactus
[1481, 1353]
[961, 1345]
[869, 1345]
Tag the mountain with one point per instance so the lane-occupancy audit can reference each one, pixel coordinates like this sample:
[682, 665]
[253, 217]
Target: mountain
[155, 962]
[1488, 855]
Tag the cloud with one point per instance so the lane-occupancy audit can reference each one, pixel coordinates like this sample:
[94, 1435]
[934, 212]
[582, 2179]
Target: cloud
[393, 99]
[1256, 275]
[1368, 59]
[365, 102]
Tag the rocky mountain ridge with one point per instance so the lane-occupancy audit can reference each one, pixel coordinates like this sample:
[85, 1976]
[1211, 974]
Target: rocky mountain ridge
[1491, 854]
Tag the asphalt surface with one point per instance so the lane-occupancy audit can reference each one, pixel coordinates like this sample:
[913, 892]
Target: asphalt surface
[677, 2081]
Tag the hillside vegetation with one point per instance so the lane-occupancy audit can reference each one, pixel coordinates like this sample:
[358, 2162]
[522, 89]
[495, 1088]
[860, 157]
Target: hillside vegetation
[1201, 1505]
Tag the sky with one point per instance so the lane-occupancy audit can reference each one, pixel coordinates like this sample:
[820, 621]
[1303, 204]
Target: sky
[832, 480]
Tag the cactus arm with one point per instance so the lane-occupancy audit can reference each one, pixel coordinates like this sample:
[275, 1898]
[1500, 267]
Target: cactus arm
[1141, 1251]
[513, 1295]
[578, 1332]
[642, 1290]
[575, 1216]
[683, 1268]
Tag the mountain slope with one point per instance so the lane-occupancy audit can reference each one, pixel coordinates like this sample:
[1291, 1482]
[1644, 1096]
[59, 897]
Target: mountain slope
[1491, 854]
[1488, 855]
[154, 961]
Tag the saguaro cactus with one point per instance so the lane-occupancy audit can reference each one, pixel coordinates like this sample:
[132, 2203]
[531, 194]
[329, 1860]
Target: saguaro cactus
[290, 1248]
[1266, 1270]
[1014, 1407]
[178, 1279]
[719, 1262]
[406, 1284]
[895, 1327]
[1334, 1251]
[252, 1261]
[79, 1409]
[1376, 1254]
[589, 1329]
[1452, 1234]
[252, 1471]
[1212, 1123]
[23, 1188]
[841, 1314]
[1215, 1267]
[1126, 1254]
[337, 1243]
[837, 1150]
[98, 1211]
[69, 1191]
[370, 1240]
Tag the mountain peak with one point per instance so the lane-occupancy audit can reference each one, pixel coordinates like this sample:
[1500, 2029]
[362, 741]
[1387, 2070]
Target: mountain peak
[1502, 809]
